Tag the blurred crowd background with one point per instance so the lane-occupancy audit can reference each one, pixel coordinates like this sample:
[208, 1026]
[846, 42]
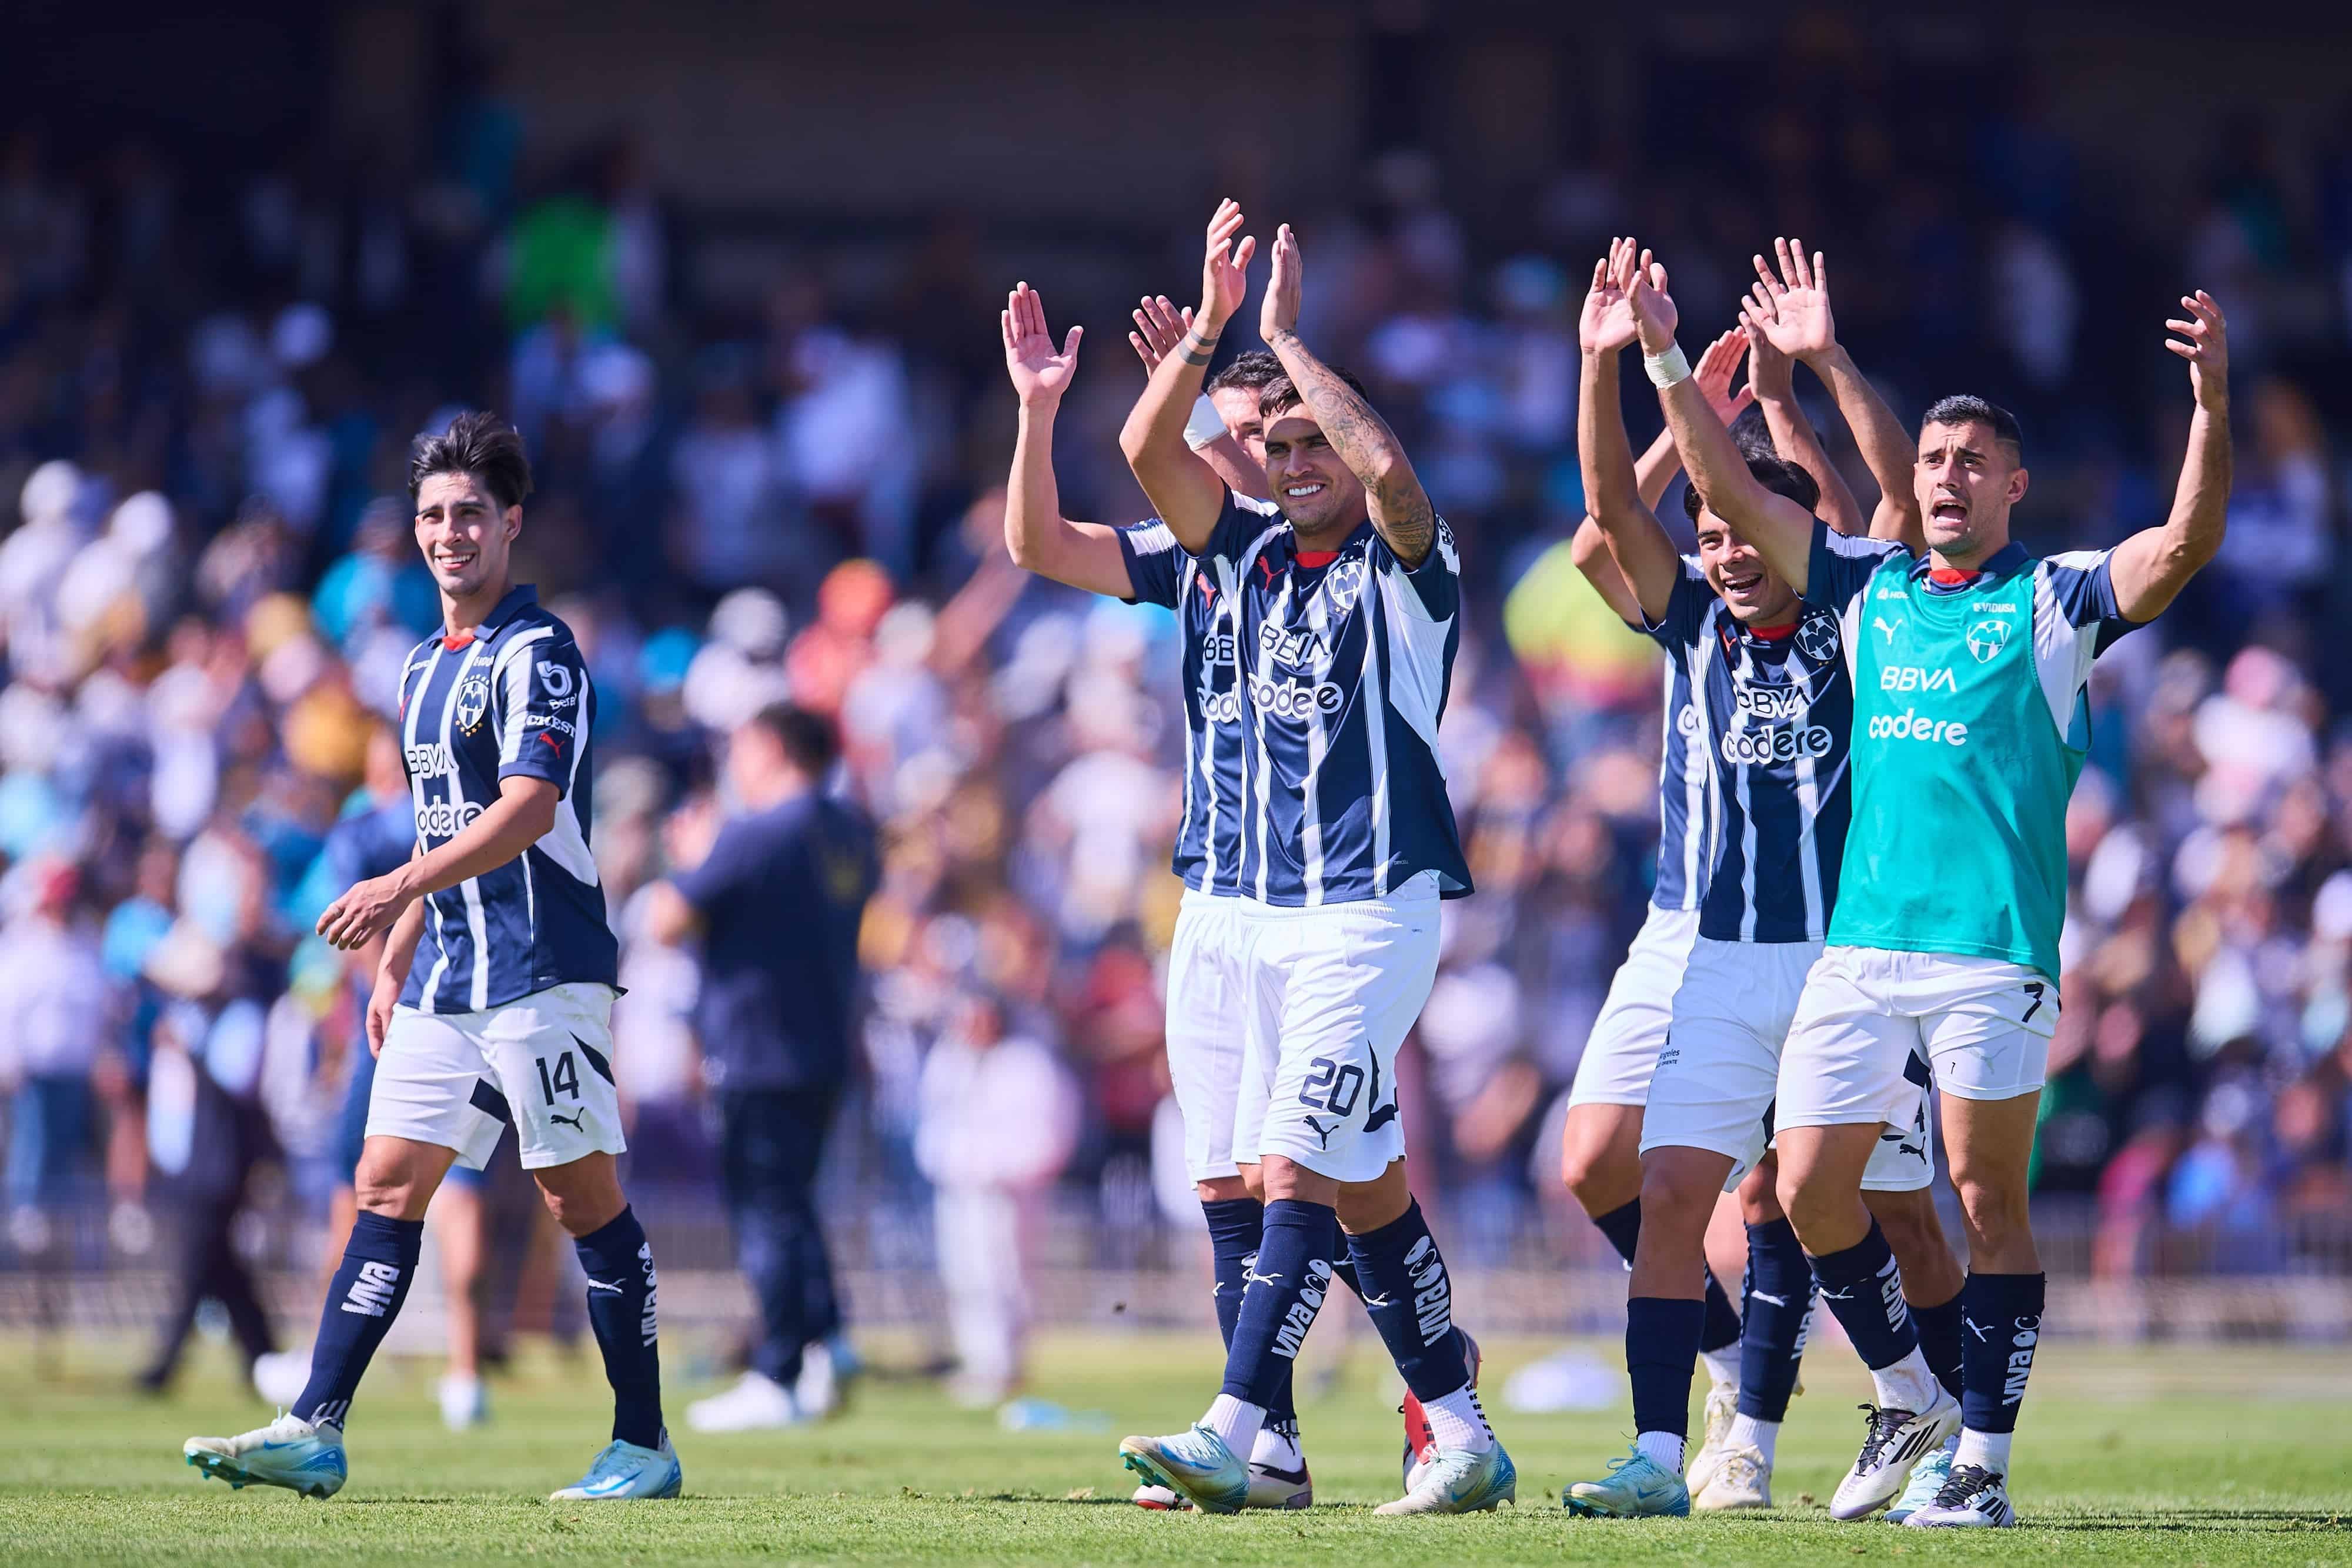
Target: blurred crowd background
[756, 364]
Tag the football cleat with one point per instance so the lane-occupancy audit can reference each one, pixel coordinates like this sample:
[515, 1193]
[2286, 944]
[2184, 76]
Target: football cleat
[1195, 1464]
[754, 1403]
[1722, 1404]
[1636, 1487]
[1896, 1441]
[1271, 1487]
[1927, 1480]
[1420, 1440]
[622, 1470]
[1459, 1481]
[1160, 1498]
[290, 1452]
[1971, 1497]
[1741, 1478]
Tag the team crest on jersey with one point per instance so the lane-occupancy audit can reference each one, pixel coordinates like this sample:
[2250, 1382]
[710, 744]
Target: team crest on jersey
[1817, 637]
[473, 702]
[1987, 639]
[1343, 583]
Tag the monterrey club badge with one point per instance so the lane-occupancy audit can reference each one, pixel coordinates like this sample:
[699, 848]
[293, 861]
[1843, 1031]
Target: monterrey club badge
[1817, 637]
[473, 702]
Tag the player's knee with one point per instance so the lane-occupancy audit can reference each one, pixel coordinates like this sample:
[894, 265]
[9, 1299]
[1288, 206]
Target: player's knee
[584, 1196]
[1676, 1201]
[1599, 1176]
[387, 1184]
[1254, 1182]
[1759, 1196]
[1994, 1209]
[1221, 1189]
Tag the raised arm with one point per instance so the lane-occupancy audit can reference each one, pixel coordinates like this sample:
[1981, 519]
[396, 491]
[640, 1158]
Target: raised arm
[1036, 535]
[1588, 547]
[1637, 543]
[1184, 490]
[1793, 309]
[1399, 508]
[1781, 530]
[1160, 327]
[2152, 566]
[1772, 373]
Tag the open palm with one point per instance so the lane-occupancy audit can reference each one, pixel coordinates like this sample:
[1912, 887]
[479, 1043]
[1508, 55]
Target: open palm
[1039, 374]
[1792, 309]
[1607, 322]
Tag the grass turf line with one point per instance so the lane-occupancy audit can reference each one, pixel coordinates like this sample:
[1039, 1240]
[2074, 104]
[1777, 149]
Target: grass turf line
[2213, 1454]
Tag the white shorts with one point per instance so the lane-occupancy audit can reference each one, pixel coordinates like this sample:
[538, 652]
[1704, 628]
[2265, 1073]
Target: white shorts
[1206, 984]
[1325, 997]
[1984, 1025]
[1622, 1049]
[543, 1062]
[1719, 1074]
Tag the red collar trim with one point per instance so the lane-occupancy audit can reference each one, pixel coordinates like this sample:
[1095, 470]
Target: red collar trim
[1951, 576]
[452, 644]
[1773, 634]
[1316, 558]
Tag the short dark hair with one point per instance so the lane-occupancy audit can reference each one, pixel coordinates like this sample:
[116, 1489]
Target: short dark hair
[1963, 409]
[808, 738]
[1777, 475]
[1252, 371]
[479, 444]
[1282, 394]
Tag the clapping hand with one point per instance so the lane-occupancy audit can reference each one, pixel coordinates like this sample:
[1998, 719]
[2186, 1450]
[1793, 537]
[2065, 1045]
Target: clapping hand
[1039, 375]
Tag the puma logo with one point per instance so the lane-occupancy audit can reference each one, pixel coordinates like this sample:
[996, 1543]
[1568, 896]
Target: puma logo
[572, 1122]
[1321, 1131]
[1880, 621]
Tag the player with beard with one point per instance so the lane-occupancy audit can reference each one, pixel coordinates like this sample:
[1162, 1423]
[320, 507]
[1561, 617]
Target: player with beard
[1769, 724]
[1331, 622]
[1969, 666]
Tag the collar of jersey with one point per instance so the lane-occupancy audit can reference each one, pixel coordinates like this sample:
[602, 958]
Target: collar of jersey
[521, 594]
[2003, 562]
[1325, 558]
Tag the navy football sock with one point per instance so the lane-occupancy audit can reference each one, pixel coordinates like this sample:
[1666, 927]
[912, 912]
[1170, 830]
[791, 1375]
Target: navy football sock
[1864, 1290]
[620, 1267]
[1235, 1227]
[1285, 1290]
[2003, 1313]
[1775, 1308]
[1410, 1301]
[379, 1265]
[1940, 1341]
[1661, 1353]
[1622, 1226]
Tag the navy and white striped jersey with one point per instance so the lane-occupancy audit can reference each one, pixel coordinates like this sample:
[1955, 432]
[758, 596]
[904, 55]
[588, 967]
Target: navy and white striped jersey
[510, 699]
[1775, 720]
[1313, 688]
[1686, 826]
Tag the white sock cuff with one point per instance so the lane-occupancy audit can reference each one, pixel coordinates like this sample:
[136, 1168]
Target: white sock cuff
[1663, 1449]
[1237, 1421]
[1458, 1422]
[1987, 1450]
[1722, 1366]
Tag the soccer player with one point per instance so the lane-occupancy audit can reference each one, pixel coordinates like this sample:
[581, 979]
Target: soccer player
[1773, 704]
[1205, 1055]
[1971, 723]
[1330, 620]
[494, 998]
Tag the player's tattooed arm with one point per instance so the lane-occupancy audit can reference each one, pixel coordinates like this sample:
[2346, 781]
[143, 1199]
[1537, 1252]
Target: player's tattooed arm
[1781, 530]
[1183, 489]
[2150, 568]
[1399, 508]
[1160, 329]
[1792, 309]
[1036, 535]
[1638, 546]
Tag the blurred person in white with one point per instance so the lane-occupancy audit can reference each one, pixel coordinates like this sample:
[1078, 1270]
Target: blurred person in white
[61, 1009]
[33, 560]
[848, 442]
[989, 1188]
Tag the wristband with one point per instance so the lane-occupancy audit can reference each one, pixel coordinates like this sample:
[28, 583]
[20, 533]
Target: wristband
[1206, 425]
[1668, 367]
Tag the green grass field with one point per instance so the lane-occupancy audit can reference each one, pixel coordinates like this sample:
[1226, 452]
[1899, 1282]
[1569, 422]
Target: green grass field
[2190, 1454]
